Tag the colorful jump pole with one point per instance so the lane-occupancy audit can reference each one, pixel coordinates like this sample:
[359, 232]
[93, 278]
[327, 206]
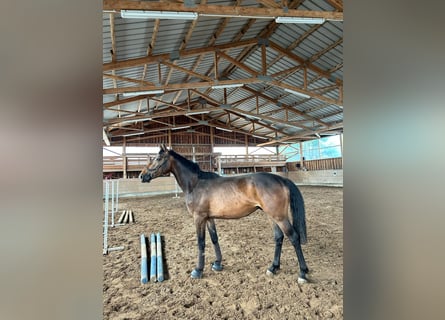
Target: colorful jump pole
[153, 257]
[144, 266]
[122, 216]
[160, 270]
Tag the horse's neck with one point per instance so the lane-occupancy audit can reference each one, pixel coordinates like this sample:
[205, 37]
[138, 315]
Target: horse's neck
[186, 179]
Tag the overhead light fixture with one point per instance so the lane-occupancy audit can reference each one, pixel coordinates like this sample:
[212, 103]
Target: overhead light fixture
[133, 134]
[300, 20]
[139, 93]
[251, 117]
[223, 129]
[223, 15]
[105, 137]
[297, 93]
[224, 86]
[135, 120]
[190, 113]
[254, 135]
[143, 14]
[179, 128]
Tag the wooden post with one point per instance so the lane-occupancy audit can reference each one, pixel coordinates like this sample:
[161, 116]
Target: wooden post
[341, 149]
[212, 138]
[169, 138]
[124, 158]
[301, 156]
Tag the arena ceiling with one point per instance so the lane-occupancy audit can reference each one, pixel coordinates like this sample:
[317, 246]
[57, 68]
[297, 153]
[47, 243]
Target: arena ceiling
[233, 73]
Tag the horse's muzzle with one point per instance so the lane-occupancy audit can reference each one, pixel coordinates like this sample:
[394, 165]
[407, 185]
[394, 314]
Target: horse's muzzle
[146, 177]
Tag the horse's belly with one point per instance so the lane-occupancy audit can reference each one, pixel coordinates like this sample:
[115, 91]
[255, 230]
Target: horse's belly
[227, 200]
[231, 210]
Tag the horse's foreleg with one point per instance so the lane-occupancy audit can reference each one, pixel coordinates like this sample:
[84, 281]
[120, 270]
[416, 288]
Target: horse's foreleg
[294, 238]
[216, 266]
[200, 233]
[279, 236]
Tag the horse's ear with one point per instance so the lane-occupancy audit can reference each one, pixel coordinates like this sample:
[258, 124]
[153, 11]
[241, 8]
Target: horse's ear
[163, 147]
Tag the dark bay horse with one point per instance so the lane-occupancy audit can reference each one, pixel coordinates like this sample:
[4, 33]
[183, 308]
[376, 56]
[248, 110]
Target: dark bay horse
[209, 196]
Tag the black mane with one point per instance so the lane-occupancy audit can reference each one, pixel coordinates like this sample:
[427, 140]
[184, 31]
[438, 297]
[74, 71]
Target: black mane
[192, 166]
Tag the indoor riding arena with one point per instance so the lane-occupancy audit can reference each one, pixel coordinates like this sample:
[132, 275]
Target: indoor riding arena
[220, 102]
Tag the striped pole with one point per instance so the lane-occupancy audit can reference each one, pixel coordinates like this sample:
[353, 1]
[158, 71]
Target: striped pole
[121, 218]
[131, 216]
[153, 257]
[160, 270]
[144, 266]
[127, 213]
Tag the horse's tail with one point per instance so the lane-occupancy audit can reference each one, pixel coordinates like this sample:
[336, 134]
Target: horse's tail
[297, 209]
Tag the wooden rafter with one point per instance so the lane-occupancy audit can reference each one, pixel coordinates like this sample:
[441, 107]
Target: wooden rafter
[180, 86]
[285, 106]
[182, 54]
[140, 82]
[301, 135]
[169, 108]
[186, 71]
[218, 10]
[337, 4]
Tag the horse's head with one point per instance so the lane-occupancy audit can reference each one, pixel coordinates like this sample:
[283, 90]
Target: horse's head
[159, 166]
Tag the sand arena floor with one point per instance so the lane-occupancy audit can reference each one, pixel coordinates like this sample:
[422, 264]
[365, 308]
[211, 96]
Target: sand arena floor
[242, 290]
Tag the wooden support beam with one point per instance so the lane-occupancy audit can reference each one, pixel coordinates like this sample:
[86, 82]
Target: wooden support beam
[115, 77]
[302, 135]
[124, 101]
[285, 106]
[299, 60]
[238, 64]
[186, 71]
[180, 86]
[263, 60]
[182, 54]
[219, 10]
[312, 94]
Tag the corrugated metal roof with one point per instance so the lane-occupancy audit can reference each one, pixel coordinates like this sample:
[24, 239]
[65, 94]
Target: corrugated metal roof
[314, 51]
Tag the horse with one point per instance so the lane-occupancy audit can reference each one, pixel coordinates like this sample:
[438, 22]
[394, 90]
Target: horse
[209, 196]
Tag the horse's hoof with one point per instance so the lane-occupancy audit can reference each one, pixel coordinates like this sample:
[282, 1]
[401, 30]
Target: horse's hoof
[302, 280]
[272, 270]
[217, 266]
[196, 274]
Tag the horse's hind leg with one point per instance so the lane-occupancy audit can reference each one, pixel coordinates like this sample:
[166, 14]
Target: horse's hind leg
[216, 266]
[279, 236]
[294, 238]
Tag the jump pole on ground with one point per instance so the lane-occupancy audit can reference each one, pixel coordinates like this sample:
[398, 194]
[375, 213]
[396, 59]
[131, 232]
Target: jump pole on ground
[144, 266]
[122, 216]
[160, 269]
[153, 257]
